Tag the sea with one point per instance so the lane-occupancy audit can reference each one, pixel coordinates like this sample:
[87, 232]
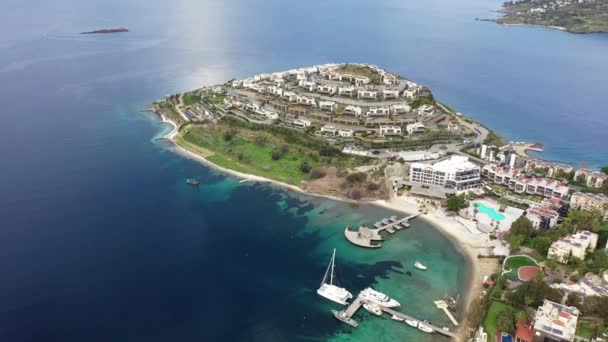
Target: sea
[102, 240]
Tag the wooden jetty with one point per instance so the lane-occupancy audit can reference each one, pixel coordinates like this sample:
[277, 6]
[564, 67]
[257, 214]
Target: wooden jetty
[369, 237]
[346, 316]
[442, 305]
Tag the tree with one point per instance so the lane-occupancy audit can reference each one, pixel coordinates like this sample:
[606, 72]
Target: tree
[317, 173]
[522, 226]
[476, 312]
[574, 300]
[605, 169]
[595, 306]
[455, 203]
[260, 140]
[581, 220]
[284, 148]
[541, 244]
[506, 321]
[373, 187]
[228, 135]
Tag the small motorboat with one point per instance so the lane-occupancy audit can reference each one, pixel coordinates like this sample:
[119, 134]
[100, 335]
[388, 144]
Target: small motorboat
[373, 309]
[419, 266]
[193, 182]
[397, 318]
[411, 323]
[425, 328]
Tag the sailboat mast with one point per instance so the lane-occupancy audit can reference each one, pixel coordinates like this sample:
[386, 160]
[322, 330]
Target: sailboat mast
[326, 272]
[333, 261]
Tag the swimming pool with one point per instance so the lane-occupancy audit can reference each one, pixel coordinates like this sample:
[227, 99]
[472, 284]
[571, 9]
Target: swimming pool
[494, 215]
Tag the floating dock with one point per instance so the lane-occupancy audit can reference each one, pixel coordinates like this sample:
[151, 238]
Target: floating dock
[346, 316]
[369, 237]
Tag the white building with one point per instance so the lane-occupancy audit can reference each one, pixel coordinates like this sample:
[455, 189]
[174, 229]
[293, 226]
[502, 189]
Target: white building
[555, 321]
[590, 202]
[347, 91]
[390, 94]
[329, 130]
[353, 110]
[412, 93]
[573, 246]
[300, 123]
[521, 184]
[591, 178]
[328, 105]
[378, 111]
[425, 110]
[305, 100]
[367, 94]
[327, 89]
[589, 285]
[289, 96]
[415, 127]
[390, 131]
[346, 133]
[542, 216]
[308, 85]
[456, 173]
[274, 90]
[401, 108]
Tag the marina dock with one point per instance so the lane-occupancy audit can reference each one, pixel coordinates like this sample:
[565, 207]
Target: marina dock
[369, 237]
[346, 316]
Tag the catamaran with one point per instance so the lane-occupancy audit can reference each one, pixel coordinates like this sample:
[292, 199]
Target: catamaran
[419, 266]
[378, 298]
[329, 290]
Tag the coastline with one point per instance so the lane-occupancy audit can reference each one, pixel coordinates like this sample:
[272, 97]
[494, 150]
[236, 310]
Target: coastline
[467, 244]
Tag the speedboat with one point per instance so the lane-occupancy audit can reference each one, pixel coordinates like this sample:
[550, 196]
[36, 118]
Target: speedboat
[419, 266]
[397, 318]
[373, 308]
[193, 182]
[331, 291]
[425, 328]
[378, 298]
[411, 323]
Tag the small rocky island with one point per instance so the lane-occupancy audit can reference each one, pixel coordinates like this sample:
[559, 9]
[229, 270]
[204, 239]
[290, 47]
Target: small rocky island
[576, 16]
[105, 31]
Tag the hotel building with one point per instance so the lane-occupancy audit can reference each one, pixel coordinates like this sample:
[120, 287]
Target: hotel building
[456, 173]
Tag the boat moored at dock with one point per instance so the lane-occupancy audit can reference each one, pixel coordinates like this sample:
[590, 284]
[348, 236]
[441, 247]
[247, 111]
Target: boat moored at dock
[373, 309]
[378, 298]
[425, 328]
[411, 323]
[330, 291]
[397, 318]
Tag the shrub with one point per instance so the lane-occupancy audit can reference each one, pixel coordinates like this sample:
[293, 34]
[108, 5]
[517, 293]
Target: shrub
[228, 135]
[276, 155]
[355, 194]
[317, 173]
[373, 187]
[356, 177]
[260, 140]
[284, 148]
[305, 167]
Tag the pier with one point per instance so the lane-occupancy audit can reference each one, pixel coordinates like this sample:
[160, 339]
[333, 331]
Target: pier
[369, 237]
[346, 316]
[442, 305]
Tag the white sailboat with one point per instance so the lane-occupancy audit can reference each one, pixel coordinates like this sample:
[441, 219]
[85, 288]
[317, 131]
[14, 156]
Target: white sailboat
[378, 298]
[412, 323]
[425, 328]
[329, 290]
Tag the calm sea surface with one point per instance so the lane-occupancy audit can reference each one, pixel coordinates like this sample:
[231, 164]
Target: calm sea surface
[101, 240]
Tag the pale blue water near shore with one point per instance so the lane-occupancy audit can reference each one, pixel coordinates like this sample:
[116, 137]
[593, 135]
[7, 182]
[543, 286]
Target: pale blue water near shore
[101, 240]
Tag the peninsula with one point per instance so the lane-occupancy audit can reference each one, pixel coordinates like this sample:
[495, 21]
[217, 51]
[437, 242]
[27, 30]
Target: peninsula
[105, 31]
[358, 132]
[585, 16]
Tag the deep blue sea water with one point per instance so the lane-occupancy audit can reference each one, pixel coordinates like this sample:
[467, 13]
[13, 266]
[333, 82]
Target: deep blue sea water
[101, 240]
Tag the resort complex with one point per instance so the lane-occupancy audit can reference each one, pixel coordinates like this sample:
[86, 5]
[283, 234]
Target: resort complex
[534, 229]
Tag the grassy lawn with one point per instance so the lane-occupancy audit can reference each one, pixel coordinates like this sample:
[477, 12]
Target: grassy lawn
[191, 99]
[489, 322]
[514, 263]
[360, 71]
[586, 328]
[241, 153]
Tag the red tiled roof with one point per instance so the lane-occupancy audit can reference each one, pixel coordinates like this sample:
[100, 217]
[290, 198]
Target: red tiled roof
[564, 314]
[524, 332]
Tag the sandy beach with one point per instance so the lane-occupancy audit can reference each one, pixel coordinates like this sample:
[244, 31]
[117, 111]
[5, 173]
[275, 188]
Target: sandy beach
[471, 246]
